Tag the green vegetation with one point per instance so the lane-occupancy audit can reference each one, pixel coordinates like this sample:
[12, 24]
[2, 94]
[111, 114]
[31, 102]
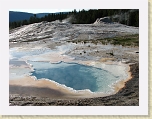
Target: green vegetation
[125, 16]
[127, 40]
[111, 53]
[34, 39]
[31, 40]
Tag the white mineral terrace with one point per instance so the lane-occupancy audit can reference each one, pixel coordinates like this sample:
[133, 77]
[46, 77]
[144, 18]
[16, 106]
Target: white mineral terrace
[49, 42]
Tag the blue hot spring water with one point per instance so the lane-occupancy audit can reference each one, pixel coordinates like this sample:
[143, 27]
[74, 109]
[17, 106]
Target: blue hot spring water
[76, 76]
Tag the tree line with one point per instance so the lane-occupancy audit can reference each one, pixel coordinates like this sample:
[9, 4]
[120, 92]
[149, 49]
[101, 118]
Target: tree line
[124, 16]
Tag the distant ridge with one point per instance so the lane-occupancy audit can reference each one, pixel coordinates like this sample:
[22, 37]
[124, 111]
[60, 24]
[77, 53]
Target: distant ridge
[18, 16]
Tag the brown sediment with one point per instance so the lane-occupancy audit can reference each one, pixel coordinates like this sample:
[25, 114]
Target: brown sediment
[35, 91]
[39, 86]
[121, 84]
[106, 59]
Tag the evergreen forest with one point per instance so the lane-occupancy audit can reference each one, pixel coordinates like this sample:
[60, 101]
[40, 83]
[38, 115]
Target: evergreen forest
[128, 17]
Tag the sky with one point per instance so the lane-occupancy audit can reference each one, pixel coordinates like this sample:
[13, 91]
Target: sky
[43, 10]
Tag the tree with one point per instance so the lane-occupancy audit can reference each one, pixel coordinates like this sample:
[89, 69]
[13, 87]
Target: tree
[134, 19]
[24, 22]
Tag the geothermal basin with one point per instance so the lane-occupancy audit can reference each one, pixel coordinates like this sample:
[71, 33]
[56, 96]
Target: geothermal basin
[75, 78]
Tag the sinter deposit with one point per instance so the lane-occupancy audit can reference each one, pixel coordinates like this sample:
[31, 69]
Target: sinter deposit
[70, 49]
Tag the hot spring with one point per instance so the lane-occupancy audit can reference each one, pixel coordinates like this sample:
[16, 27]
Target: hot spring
[98, 77]
[78, 76]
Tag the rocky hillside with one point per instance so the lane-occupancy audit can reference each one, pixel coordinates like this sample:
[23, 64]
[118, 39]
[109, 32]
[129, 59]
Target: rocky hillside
[57, 31]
